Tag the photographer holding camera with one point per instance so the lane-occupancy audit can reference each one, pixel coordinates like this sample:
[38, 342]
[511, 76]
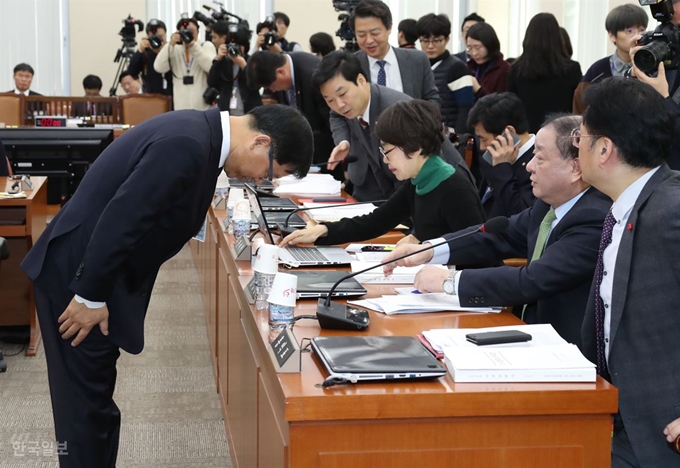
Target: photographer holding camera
[190, 62]
[227, 74]
[267, 37]
[142, 61]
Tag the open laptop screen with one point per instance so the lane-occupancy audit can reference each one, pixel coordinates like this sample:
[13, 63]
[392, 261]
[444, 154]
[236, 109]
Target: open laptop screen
[256, 208]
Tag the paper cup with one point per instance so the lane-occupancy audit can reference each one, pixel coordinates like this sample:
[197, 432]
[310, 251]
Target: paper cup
[242, 210]
[284, 289]
[267, 259]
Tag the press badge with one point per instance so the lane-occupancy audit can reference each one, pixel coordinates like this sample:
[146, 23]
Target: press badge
[233, 102]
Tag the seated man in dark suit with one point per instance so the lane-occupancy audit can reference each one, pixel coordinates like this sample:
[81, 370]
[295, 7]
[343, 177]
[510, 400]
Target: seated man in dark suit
[631, 324]
[559, 234]
[404, 70]
[505, 187]
[92, 85]
[95, 265]
[23, 77]
[357, 105]
[290, 76]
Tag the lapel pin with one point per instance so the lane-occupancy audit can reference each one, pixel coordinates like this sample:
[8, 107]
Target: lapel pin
[630, 226]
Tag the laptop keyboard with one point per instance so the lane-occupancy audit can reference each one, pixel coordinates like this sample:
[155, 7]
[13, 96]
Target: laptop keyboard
[306, 254]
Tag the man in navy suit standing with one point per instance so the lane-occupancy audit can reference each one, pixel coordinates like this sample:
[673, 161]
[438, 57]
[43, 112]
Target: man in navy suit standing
[95, 265]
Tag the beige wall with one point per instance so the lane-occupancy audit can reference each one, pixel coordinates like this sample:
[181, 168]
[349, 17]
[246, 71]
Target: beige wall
[94, 39]
[308, 17]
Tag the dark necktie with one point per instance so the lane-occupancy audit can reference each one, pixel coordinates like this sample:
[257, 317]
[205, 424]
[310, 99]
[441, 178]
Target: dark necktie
[607, 228]
[382, 77]
[364, 125]
[291, 95]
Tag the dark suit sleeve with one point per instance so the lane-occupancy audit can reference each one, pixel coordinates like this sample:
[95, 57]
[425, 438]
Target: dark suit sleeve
[375, 224]
[136, 64]
[166, 169]
[339, 128]
[510, 196]
[430, 91]
[566, 262]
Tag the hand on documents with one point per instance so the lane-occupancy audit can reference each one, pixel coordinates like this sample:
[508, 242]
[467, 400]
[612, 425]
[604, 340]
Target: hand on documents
[304, 236]
[431, 279]
[405, 249]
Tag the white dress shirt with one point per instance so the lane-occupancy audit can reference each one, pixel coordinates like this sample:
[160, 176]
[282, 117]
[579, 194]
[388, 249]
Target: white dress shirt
[442, 252]
[392, 73]
[621, 210]
[25, 93]
[224, 153]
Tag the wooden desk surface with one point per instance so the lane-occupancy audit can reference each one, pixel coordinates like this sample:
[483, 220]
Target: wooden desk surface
[286, 420]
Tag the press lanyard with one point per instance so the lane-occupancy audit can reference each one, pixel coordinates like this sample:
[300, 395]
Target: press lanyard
[188, 62]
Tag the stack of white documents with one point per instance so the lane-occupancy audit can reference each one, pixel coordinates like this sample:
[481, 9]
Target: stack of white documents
[400, 275]
[546, 358]
[321, 184]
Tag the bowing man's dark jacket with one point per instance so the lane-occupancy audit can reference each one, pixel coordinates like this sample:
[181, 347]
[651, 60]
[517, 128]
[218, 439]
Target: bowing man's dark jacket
[144, 197]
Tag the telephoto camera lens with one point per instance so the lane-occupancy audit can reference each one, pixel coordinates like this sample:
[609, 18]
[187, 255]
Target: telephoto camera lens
[648, 57]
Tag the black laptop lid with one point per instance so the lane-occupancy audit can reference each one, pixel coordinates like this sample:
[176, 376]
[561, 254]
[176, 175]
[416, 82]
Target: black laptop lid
[376, 354]
[314, 281]
[256, 208]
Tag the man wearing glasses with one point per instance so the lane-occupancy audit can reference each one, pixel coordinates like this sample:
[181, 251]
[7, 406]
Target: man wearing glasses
[357, 105]
[631, 325]
[451, 75]
[559, 235]
[95, 265]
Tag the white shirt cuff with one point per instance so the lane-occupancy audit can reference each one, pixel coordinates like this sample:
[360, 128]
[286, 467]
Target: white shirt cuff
[89, 304]
[441, 253]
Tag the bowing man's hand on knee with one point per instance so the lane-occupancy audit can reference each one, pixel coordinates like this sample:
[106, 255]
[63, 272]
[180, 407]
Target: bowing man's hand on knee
[78, 320]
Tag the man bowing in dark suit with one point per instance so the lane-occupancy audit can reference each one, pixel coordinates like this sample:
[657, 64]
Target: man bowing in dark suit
[559, 235]
[95, 265]
[357, 105]
[290, 76]
[631, 325]
[405, 70]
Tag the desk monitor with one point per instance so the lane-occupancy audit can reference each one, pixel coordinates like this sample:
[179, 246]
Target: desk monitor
[62, 154]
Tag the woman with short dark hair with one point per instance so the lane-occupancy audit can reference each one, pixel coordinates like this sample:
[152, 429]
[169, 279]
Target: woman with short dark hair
[321, 44]
[438, 198]
[543, 77]
[485, 60]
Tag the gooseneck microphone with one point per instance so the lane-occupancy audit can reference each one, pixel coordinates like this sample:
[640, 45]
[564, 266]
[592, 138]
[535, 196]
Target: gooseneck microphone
[347, 160]
[337, 316]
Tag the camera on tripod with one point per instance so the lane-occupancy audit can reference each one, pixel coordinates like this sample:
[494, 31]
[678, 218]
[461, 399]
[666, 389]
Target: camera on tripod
[345, 32]
[662, 44]
[128, 33]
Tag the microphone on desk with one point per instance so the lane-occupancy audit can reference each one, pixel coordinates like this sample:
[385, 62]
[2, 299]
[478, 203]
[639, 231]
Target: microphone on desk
[285, 230]
[337, 316]
[348, 160]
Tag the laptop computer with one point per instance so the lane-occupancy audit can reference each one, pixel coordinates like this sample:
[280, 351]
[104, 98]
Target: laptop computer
[297, 256]
[315, 284]
[370, 358]
[278, 217]
[278, 204]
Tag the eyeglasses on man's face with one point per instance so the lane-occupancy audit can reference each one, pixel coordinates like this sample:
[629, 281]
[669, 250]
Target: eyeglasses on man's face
[437, 41]
[576, 136]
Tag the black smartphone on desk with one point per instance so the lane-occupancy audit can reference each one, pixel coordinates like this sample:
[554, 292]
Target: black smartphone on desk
[498, 337]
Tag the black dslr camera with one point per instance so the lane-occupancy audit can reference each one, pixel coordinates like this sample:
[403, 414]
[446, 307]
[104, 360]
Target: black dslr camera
[662, 44]
[237, 35]
[154, 39]
[270, 38]
[186, 35]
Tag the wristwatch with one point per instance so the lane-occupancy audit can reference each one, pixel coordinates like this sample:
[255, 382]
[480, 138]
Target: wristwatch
[449, 284]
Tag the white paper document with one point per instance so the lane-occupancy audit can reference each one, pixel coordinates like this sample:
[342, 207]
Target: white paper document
[400, 275]
[418, 303]
[336, 213]
[321, 184]
[542, 334]
[561, 363]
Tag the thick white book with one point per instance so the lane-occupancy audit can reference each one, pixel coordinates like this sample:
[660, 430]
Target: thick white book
[560, 363]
